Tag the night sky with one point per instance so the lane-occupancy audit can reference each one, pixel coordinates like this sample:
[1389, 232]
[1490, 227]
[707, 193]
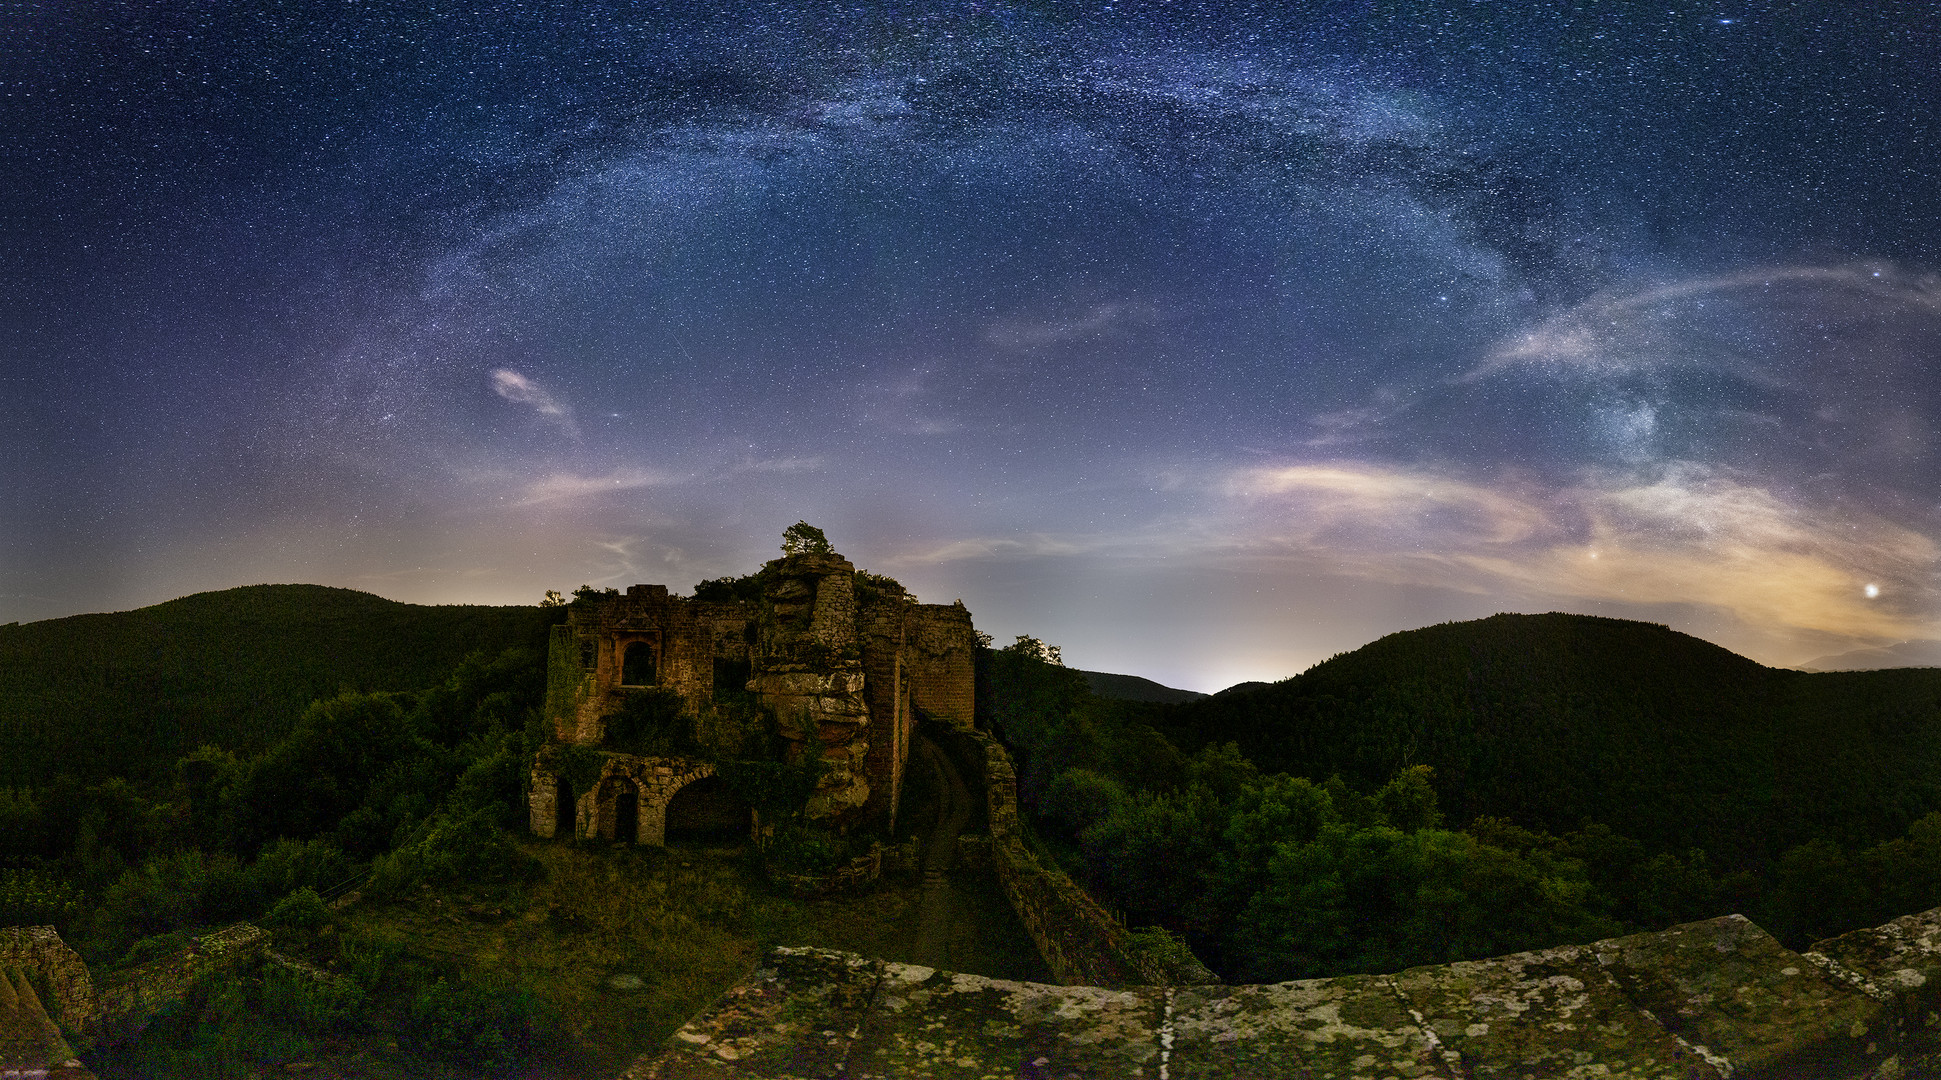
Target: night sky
[1205, 342]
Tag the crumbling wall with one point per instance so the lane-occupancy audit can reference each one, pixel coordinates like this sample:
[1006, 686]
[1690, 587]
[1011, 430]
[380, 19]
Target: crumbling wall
[1080, 941]
[686, 635]
[943, 661]
[39, 951]
[830, 669]
[130, 999]
[654, 780]
[31, 1045]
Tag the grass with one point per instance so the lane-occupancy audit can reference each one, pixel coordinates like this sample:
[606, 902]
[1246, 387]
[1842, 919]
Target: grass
[687, 922]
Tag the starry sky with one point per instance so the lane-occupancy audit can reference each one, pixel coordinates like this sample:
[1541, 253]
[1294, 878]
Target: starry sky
[1205, 341]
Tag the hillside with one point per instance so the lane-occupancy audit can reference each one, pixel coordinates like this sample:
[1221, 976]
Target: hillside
[1135, 688]
[128, 692]
[1553, 720]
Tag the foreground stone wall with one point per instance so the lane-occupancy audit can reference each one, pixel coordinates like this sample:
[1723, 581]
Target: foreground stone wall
[1709, 1000]
[130, 999]
[1080, 941]
[39, 951]
[31, 1043]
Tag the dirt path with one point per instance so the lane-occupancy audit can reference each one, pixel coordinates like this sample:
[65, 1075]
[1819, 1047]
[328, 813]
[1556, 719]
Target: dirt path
[931, 946]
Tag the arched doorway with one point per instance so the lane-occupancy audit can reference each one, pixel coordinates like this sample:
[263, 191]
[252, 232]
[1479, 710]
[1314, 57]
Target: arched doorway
[706, 811]
[564, 820]
[626, 814]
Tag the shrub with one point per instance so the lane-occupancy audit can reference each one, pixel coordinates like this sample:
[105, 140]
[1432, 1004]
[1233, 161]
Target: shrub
[471, 848]
[302, 910]
[309, 1004]
[492, 1030]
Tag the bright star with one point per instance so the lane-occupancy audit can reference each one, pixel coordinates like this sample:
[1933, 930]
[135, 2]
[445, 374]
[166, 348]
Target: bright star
[1871, 590]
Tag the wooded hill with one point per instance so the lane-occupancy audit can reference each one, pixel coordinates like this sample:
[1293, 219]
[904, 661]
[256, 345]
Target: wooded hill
[1555, 720]
[128, 693]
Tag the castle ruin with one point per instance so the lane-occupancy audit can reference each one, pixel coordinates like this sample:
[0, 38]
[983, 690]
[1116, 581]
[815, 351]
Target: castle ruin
[807, 657]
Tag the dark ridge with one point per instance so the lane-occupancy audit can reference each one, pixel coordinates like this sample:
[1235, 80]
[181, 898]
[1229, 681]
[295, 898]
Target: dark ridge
[1135, 688]
[127, 692]
[1905, 654]
[1554, 720]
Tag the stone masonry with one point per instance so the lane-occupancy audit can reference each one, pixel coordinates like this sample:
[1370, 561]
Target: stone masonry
[46, 993]
[829, 662]
[1705, 1001]
[655, 779]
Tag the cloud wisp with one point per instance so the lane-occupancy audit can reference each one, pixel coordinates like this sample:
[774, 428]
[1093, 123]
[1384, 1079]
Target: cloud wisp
[521, 390]
[1616, 333]
[1681, 536]
[561, 487]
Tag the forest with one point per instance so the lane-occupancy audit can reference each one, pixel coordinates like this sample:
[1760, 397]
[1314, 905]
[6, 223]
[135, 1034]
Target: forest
[1473, 789]
[1456, 792]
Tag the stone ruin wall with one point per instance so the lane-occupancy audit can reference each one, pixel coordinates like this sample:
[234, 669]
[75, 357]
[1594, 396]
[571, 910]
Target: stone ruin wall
[857, 674]
[944, 668]
[39, 951]
[688, 635]
[915, 656]
[656, 780]
[122, 1004]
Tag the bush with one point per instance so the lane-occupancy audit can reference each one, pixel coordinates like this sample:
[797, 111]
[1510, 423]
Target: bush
[492, 1030]
[471, 848]
[302, 911]
[803, 851]
[30, 898]
[651, 723]
[309, 1004]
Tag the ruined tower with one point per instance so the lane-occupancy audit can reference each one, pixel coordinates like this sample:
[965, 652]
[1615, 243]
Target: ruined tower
[807, 656]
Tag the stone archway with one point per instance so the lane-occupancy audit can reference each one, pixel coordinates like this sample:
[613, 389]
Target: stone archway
[616, 809]
[705, 810]
[658, 787]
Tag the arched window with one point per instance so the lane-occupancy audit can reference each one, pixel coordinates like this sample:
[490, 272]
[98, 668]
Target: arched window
[637, 664]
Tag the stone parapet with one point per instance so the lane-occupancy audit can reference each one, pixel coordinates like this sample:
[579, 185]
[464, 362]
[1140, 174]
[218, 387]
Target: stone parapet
[1709, 1000]
[857, 874]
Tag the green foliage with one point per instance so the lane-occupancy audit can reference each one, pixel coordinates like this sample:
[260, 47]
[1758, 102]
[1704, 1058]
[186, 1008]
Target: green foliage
[1554, 720]
[1032, 649]
[652, 722]
[579, 766]
[494, 1030]
[36, 898]
[878, 588]
[469, 847]
[746, 589]
[778, 791]
[310, 1005]
[803, 538]
[800, 850]
[302, 910]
